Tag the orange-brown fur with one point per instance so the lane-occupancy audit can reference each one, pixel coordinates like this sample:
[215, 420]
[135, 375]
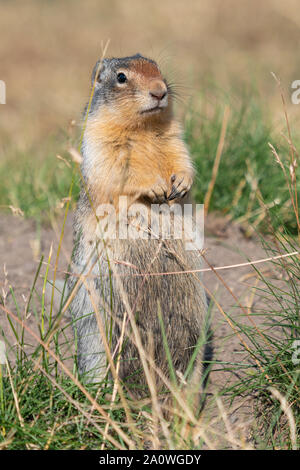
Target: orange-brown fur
[132, 169]
[131, 152]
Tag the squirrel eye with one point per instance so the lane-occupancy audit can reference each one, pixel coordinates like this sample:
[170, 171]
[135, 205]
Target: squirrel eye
[121, 77]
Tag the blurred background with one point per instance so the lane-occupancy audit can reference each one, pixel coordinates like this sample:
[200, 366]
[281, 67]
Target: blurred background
[48, 48]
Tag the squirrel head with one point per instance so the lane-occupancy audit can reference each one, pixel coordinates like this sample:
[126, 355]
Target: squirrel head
[130, 92]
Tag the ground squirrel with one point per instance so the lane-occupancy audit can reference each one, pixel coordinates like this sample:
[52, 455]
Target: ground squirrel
[133, 147]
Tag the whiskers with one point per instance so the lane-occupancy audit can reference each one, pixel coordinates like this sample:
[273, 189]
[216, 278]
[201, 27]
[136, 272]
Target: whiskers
[178, 92]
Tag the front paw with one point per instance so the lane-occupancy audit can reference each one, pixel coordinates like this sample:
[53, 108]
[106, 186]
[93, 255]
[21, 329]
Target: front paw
[181, 183]
[158, 193]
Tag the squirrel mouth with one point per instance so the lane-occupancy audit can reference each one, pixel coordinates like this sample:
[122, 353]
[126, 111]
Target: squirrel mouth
[155, 109]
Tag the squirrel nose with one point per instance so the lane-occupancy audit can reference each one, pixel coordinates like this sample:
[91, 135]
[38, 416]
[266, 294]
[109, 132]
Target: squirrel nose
[158, 89]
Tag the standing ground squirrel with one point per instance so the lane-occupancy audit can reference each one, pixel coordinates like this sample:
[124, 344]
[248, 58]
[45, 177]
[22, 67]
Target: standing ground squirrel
[133, 147]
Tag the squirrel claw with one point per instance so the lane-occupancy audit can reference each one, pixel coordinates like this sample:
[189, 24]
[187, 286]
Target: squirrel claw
[180, 188]
[177, 195]
[158, 193]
